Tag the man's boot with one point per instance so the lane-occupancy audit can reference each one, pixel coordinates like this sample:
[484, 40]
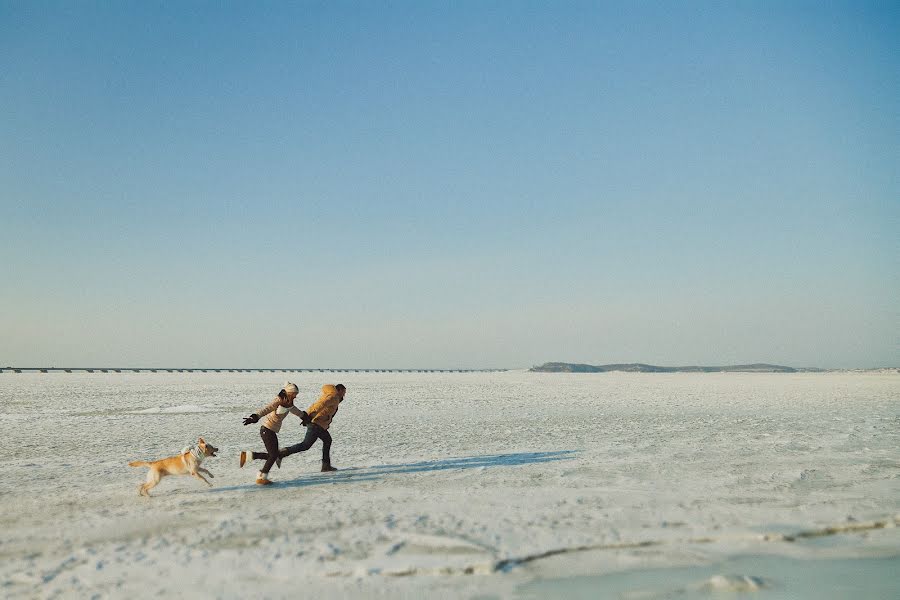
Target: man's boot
[326, 466]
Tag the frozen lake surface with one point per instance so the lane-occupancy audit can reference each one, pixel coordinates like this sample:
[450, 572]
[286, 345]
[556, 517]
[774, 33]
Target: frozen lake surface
[484, 485]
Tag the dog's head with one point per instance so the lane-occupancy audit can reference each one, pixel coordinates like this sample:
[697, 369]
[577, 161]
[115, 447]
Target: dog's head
[206, 448]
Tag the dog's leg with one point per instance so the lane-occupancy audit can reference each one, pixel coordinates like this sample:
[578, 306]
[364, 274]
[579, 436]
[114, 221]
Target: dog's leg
[153, 477]
[205, 472]
[201, 478]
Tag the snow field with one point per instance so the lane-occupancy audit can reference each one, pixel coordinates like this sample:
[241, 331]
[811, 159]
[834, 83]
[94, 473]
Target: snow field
[454, 484]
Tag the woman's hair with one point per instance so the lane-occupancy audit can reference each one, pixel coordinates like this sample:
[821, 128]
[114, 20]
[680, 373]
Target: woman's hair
[282, 394]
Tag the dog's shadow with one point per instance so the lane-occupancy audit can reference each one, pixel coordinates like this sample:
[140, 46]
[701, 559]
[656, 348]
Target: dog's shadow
[360, 474]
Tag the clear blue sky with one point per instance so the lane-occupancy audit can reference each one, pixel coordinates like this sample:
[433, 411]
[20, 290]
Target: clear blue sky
[449, 184]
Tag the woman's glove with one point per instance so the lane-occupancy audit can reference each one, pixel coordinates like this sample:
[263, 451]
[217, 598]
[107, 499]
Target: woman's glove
[251, 419]
[304, 417]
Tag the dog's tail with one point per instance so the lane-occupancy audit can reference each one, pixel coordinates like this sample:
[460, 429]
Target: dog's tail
[139, 463]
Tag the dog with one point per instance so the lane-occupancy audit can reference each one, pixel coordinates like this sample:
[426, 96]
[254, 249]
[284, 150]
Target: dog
[186, 463]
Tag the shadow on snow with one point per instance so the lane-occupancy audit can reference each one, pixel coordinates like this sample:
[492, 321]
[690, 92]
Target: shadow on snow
[358, 474]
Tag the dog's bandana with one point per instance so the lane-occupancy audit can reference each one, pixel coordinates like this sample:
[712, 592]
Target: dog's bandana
[195, 451]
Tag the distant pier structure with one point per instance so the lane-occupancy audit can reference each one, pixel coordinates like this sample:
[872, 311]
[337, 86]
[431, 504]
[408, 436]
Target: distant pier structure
[229, 370]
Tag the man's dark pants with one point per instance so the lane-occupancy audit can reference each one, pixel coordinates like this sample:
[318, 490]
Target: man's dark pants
[313, 433]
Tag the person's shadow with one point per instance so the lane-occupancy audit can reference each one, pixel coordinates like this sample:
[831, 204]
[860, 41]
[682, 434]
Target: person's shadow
[357, 474]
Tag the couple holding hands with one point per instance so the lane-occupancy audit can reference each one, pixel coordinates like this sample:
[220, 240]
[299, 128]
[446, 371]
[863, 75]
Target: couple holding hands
[316, 419]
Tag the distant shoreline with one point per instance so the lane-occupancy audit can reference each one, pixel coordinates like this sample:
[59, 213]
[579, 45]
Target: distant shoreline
[218, 370]
[562, 367]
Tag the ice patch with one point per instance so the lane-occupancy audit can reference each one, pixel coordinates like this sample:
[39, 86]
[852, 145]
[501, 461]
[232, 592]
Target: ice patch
[715, 585]
[733, 583]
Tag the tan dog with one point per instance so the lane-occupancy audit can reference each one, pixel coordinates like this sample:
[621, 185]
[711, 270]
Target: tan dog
[186, 463]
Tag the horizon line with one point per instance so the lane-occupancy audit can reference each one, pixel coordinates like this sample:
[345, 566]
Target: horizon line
[119, 369]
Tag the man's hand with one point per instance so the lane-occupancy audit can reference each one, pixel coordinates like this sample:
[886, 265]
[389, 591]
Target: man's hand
[254, 418]
[304, 417]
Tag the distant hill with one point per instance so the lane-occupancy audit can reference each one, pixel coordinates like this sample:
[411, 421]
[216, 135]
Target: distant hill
[559, 367]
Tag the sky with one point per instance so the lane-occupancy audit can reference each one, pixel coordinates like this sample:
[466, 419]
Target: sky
[449, 184]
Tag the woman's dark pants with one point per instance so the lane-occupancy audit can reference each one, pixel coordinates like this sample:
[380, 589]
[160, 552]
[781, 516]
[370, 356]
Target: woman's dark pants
[270, 440]
[313, 433]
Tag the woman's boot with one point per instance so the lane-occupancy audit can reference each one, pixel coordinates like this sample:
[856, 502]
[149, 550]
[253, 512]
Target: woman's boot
[326, 466]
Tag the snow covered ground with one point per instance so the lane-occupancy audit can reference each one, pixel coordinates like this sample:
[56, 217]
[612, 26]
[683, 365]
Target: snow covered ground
[457, 485]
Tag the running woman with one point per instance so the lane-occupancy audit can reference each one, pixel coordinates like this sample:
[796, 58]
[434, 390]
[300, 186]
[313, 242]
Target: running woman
[274, 413]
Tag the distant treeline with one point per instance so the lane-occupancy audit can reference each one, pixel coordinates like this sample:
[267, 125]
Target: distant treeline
[560, 367]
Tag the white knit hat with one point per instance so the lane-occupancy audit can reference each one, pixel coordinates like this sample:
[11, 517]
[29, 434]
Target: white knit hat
[290, 387]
